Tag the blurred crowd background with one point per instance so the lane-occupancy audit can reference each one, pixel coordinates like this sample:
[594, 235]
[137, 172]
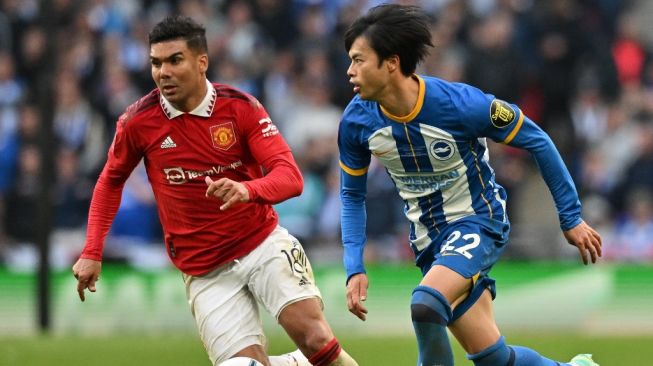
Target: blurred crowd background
[582, 69]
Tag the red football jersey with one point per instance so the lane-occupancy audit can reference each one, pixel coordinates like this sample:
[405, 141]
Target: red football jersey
[228, 135]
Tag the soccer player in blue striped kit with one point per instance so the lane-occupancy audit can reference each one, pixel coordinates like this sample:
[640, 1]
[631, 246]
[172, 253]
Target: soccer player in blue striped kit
[430, 136]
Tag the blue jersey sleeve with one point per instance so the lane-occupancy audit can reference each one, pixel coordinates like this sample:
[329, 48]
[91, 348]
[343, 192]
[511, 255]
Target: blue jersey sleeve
[354, 161]
[531, 137]
[353, 147]
[353, 221]
[487, 116]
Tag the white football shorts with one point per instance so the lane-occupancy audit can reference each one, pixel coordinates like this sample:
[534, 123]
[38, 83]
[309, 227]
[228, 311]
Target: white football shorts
[224, 302]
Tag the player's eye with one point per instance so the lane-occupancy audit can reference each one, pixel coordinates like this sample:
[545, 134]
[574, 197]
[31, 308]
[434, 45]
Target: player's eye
[155, 63]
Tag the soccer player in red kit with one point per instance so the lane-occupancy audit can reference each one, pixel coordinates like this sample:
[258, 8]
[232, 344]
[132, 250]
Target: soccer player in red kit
[206, 147]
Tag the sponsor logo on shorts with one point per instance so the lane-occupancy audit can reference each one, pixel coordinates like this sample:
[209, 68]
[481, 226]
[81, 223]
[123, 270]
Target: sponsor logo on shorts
[304, 281]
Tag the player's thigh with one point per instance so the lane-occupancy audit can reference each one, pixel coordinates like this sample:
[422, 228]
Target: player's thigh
[225, 312]
[453, 286]
[460, 260]
[476, 329]
[283, 274]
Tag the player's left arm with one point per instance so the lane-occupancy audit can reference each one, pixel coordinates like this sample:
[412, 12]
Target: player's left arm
[586, 239]
[527, 135]
[282, 181]
[283, 178]
[506, 123]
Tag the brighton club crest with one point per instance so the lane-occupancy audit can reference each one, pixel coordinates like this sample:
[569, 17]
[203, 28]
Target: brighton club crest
[442, 149]
[223, 135]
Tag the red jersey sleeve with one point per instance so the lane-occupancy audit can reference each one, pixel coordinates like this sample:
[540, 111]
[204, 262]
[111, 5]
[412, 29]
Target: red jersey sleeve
[283, 179]
[122, 158]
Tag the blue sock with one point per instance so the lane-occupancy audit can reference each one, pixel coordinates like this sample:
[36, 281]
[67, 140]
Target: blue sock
[526, 356]
[499, 354]
[431, 313]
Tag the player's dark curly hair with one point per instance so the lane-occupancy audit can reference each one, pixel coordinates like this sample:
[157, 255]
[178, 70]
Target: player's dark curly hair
[393, 29]
[180, 27]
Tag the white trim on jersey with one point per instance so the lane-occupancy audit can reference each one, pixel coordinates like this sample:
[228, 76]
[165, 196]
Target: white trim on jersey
[204, 109]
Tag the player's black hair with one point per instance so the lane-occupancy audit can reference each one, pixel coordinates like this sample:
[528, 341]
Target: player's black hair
[393, 29]
[180, 27]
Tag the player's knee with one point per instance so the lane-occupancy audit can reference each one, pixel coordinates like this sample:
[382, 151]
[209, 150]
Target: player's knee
[496, 354]
[305, 324]
[316, 341]
[313, 338]
[429, 306]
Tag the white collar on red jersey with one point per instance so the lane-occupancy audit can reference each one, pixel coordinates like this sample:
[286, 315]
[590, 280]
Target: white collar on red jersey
[204, 109]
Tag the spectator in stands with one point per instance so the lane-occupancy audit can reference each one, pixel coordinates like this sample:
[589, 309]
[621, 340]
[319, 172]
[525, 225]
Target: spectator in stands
[633, 236]
[102, 49]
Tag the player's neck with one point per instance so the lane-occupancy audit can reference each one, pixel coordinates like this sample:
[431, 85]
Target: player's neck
[194, 100]
[401, 97]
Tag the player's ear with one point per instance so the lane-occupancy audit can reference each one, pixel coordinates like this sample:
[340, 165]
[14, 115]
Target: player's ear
[203, 61]
[392, 63]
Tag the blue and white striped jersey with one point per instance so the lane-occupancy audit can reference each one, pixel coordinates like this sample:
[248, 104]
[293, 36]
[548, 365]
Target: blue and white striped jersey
[438, 159]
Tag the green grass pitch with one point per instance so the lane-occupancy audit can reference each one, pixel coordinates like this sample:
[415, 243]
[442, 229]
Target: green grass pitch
[142, 319]
[185, 349]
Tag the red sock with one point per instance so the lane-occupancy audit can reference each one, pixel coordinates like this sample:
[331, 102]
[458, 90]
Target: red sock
[327, 354]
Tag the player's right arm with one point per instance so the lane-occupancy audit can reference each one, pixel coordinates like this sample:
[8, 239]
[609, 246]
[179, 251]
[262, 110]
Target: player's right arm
[122, 158]
[353, 222]
[87, 272]
[354, 162]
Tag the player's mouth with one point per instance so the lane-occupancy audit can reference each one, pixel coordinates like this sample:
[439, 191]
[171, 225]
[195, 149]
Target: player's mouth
[357, 87]
[168, 89]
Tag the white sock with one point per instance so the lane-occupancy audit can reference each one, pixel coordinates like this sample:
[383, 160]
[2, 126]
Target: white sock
[344, 359]
[294, 358]
[297, 358]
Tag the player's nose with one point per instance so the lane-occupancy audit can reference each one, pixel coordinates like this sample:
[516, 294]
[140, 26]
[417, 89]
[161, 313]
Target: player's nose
[165, 70]
[350, 71]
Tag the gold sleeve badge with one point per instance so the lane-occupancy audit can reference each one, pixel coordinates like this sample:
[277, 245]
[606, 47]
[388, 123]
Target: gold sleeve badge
[501, 113]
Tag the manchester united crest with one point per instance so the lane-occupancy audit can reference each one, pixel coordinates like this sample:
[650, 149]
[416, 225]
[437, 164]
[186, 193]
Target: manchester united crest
[223, 135]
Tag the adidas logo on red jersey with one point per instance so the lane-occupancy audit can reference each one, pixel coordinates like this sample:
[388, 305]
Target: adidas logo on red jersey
[168, 143]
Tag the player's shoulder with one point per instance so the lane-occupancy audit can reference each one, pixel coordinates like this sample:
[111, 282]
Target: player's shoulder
[140, 107]
[453, 91]
[456, 101]
[359, 111]
[229, 94]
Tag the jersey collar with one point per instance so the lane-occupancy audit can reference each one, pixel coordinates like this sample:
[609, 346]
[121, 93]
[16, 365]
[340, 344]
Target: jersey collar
[204, 109]
[418, 106]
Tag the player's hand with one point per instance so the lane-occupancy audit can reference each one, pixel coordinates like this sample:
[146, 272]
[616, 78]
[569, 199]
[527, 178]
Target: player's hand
[586, 239]
[227, 190]
[87, 272]
[356, 294]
